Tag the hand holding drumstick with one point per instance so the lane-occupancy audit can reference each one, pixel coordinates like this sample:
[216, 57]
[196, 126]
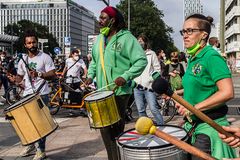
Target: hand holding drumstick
[145, 125]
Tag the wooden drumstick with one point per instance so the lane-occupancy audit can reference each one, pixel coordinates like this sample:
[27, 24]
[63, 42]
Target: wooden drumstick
[161, 86]
[145, 125]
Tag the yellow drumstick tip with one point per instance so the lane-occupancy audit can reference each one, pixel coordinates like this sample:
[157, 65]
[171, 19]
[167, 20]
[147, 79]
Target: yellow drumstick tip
[144, 125]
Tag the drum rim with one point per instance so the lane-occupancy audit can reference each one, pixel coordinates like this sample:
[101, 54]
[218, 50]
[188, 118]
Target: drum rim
[56, 127]
[99, 98]
[154, 147]
[17, 105]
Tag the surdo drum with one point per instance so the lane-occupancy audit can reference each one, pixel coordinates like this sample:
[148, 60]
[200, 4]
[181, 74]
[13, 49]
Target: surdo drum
[134, 146]
[31, 119]
[102, 109]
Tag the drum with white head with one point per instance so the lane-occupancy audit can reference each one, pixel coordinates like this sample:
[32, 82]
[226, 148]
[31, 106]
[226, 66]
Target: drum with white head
[134, 146]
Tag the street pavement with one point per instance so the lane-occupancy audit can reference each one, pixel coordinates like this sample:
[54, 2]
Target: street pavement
[74, 140]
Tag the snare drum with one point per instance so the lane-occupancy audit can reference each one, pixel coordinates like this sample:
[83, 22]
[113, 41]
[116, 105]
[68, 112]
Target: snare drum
[134, 146]
[31, 119]
[102, 109]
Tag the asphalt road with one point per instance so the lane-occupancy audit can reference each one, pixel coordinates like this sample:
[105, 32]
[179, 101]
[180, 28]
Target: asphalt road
[8, 137]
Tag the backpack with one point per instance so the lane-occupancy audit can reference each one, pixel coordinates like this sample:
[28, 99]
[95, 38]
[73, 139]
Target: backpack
[175, 82]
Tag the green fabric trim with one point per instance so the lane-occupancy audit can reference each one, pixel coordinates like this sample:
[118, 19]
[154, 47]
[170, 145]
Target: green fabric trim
[219, 149]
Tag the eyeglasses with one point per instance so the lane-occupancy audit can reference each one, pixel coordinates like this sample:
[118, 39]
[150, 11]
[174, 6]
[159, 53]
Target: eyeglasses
[190, 31]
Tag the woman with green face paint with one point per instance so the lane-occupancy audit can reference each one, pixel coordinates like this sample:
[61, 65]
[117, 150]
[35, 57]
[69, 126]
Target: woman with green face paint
[207, 86]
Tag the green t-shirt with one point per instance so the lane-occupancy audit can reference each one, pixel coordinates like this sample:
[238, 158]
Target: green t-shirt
[199, 83]
[203, 71]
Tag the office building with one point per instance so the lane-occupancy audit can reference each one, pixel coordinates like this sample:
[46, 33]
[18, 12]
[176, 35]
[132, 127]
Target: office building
[191, 7]
[65, 19]
[232, 33]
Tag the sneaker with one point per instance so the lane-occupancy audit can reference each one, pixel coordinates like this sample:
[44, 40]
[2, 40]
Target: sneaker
[27, 151]
[39, 155]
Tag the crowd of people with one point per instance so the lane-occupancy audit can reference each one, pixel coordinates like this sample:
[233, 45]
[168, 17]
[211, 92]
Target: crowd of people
[118, 57]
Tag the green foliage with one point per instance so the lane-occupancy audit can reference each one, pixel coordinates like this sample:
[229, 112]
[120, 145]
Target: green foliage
[18, 29]
[146, 18]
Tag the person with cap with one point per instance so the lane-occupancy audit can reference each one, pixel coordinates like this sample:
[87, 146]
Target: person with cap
[117, 58]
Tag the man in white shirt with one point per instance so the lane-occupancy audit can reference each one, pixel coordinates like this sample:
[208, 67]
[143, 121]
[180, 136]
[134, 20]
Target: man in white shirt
[74, 66]
[34, 69]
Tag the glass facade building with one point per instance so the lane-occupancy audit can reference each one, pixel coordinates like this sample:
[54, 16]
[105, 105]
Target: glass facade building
[64, 18]
[191, 7]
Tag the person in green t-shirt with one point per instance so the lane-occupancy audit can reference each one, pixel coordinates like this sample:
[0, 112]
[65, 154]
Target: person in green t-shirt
[207, 86]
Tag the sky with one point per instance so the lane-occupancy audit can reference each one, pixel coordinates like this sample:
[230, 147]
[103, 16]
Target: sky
[172, 10]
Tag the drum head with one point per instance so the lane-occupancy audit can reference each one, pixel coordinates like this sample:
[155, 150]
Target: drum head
[98, 95]
[19, 103]
[132, 139]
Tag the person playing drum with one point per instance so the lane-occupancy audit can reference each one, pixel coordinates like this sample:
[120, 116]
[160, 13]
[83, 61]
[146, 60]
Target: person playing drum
[34, 68]
[207, 86]
[117, 57]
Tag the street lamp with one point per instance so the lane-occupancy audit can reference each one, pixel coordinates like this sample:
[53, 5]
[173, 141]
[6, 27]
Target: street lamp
[106, 2]
[42, 41]
[129, 15]
[222, 25]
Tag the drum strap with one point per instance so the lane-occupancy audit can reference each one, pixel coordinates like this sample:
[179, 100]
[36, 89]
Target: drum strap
[190, 132]
[28, 73]
[102, 59]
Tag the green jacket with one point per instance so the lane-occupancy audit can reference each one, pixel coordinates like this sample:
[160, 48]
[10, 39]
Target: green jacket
[123, 57]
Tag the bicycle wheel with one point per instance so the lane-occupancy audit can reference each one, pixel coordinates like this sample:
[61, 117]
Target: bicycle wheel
[54, 108]
[14, 94]
[167, 109]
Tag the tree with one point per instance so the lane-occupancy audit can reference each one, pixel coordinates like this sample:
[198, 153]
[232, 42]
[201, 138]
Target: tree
[18, 29]
[146, 18]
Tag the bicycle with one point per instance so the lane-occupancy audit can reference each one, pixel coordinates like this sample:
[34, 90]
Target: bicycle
[166, 107]
[14, 94]
[59, 97]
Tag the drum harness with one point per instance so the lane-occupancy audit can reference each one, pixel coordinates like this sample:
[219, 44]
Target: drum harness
[213, 114]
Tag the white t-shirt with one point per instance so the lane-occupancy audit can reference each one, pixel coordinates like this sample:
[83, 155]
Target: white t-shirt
[42, 62]
[73, 74]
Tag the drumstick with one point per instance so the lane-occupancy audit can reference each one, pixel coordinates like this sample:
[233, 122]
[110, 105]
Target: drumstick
[161, 86]
[145, 125]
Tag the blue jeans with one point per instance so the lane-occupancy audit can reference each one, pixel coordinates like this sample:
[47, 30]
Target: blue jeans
[4, 80]
[142, 96]
[40, 145]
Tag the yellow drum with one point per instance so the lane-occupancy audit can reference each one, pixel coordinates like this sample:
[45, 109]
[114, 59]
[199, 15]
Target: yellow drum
[102, 109]
[31, 119]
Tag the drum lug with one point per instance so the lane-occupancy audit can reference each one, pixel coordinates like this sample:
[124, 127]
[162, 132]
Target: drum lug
[7, 117]
[40, 103]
